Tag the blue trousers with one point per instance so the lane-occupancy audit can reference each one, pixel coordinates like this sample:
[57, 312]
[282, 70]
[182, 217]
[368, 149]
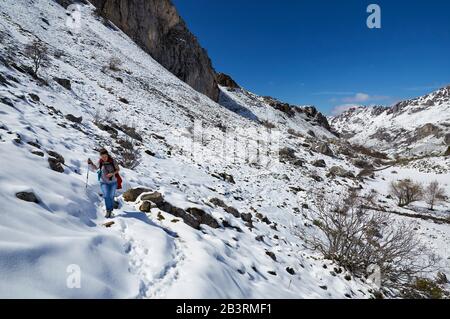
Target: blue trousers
[109, 191]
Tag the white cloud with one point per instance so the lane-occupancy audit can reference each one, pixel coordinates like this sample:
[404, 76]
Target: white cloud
[357, 98]
[339, 109]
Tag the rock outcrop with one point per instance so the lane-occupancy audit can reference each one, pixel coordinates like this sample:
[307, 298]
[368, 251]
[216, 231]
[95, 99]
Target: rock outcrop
[156, 27]
[226, 81]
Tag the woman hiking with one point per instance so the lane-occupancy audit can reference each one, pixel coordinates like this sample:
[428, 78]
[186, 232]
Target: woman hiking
[108, 174]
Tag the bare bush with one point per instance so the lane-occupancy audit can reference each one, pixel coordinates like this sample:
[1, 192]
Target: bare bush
[37, 51]
[114, 64]
[101, 117]
[128, 154]
[359, 239]
[434, 194]
[406, 191]
[268, 124]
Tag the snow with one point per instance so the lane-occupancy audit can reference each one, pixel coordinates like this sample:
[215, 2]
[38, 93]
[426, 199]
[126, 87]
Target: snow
[144, 255]
[362, 123]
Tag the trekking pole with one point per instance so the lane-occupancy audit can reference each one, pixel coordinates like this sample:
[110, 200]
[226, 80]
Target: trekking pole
[87, 177]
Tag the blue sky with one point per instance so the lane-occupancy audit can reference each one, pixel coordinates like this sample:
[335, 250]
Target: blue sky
[321, 52]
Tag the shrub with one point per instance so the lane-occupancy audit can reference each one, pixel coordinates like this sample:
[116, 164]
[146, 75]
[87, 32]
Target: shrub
[268, 124]
[359, 239]
[434, 194]
[128, 155]
[37, 51]
[406, 191]
[114, 64]
[423, 288]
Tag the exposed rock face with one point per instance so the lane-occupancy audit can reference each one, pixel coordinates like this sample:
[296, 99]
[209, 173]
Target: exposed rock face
[427, 130]
[156, 27]
[227, 81]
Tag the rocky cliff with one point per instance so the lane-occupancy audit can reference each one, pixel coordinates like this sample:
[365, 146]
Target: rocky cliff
[156, 26]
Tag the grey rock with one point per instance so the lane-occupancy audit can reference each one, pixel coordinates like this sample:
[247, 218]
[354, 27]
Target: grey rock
[324, 149]
[38, 153]
[65, 83]
[74, 118]
[340, 172]
[55, 165]
[154, 197]
[156, 27]
[57, 156]
[319, 163]
[28, 197]
[145, 207]
[132, 194]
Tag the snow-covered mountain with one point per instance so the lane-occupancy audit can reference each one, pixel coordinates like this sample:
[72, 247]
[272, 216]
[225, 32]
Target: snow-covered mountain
[410, 128]
[211, 208]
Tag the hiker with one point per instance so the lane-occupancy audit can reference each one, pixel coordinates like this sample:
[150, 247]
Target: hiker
[109, 178]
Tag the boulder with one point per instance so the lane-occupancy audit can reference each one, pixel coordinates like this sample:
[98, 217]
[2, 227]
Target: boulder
[227, 178]
[28, 197]
[34, 144]
[148, 152]
[65, 83]
[233, 211]
[34, 97]
[55, 165]
[203, 217]
[316, 177]
[217, 202]
[108, 224]
[319, 163]
[360, 163]
[154, 197]
[146, 207]
[290, 270]
[246, 217]
[107, 128]
[340, 172]
[74, 118]
[132, 194]
[324, 149]
[271, 255]
[38, 153]
[56, 156]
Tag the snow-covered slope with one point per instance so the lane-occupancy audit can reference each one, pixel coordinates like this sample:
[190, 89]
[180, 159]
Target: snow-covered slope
[193, 151]
[414, 127]
[140, 255]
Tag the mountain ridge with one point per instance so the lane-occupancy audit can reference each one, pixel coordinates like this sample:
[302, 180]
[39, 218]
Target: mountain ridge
[417, 126]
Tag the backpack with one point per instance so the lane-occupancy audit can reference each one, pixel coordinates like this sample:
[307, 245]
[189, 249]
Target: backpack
[118, 177]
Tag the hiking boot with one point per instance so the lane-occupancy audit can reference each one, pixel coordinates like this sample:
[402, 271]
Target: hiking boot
[108, 214]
